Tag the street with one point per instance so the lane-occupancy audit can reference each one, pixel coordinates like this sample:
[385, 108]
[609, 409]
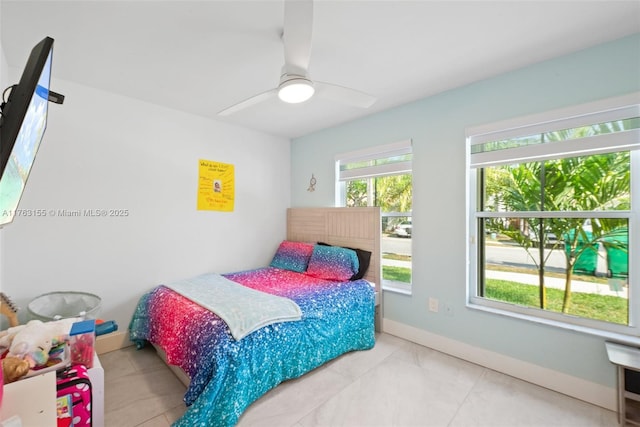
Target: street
[395, 245]
[518, 257]
[499, 254]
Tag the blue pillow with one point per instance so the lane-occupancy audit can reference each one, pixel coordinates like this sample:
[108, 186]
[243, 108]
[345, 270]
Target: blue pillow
[293, 256]
[333, 263]
[364, 259]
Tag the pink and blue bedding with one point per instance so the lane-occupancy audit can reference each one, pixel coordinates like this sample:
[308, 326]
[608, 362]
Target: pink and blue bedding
[226, 374]
[243, 309]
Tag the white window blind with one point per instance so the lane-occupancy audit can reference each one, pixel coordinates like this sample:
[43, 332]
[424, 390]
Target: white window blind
[614, 127]
[390, 159]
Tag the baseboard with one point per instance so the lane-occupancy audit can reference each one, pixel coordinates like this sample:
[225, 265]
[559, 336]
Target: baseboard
[578, 388]
[112, 342]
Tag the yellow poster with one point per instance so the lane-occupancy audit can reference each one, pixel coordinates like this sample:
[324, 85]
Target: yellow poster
[216, 186]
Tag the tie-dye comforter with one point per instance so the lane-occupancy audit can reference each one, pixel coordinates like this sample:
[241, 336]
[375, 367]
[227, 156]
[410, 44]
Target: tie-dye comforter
[228, 375]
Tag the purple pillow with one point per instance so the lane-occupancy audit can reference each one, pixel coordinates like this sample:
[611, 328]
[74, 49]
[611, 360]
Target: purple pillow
[333, 263]
[293, 256]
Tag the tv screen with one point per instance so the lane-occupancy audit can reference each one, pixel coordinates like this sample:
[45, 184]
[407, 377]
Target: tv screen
[22, 125]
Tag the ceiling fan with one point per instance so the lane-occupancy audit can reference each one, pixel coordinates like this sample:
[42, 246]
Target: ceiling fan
[295, 85]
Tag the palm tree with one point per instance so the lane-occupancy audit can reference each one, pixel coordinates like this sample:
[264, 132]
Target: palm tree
[518, 188]
[356, 193]
[394, 193]
[588, 183]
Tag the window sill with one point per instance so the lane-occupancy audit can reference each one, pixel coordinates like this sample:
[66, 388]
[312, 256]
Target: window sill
[396, 287]
[608, 335]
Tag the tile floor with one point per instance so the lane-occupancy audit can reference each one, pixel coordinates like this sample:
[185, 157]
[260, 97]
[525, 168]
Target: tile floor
[397, 383]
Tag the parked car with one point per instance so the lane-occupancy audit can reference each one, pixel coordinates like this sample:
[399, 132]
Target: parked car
[403, 229]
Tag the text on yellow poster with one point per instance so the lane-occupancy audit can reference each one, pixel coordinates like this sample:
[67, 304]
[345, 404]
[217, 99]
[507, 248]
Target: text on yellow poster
[216, 186]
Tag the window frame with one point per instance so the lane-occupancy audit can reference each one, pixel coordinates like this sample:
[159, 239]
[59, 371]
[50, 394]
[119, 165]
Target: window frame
[601, 111]
[395, 149]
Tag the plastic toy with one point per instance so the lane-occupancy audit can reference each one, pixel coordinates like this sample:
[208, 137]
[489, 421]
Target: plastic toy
[81, 339]
[14, 368]
[33, 341]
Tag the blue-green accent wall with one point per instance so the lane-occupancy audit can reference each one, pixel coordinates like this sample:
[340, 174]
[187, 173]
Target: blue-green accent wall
[437, 127]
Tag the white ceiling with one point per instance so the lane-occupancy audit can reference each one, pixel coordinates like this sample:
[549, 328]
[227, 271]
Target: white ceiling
[201, 57]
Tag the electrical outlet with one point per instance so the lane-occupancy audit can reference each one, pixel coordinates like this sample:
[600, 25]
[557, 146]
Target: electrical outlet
[433, 304]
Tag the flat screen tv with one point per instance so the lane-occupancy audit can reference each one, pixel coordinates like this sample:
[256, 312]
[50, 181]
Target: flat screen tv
[22, 125]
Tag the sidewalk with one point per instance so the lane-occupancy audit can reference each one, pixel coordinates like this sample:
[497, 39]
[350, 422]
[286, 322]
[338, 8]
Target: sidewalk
[549, 282]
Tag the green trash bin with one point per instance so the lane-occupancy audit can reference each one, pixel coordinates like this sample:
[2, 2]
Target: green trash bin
[616, 246]
[587, 261]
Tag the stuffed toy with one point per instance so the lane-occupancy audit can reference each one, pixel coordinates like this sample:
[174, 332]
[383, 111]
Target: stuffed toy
[33, 341]
[14, 368]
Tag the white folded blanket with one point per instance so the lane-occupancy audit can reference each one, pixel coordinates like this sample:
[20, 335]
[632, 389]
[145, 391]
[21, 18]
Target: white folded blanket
[243, 309]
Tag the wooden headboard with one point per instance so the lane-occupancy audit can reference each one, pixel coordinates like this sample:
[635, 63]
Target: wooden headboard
[350, 227]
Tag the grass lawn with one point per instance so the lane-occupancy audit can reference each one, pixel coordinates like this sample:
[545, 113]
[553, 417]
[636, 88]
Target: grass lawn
[397, 274]
[396, 257]
[591, 306]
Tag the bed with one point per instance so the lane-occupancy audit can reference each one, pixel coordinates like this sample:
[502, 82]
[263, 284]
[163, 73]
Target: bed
[324, 303]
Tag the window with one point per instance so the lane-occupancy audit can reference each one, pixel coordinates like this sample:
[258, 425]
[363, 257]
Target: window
[554, 217]
[381, 176]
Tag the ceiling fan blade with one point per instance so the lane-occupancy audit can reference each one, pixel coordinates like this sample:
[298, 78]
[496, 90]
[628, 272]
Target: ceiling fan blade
[298, 27]
[248, 102]
[343, 94]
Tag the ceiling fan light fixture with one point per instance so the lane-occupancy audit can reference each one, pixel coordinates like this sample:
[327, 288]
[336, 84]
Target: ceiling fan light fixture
[296, 90]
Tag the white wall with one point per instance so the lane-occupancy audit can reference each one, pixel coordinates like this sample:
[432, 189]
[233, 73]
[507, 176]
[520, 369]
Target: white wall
[3, 70]
[3, 63]
[3, 84]
[437, 126]
[104, 151]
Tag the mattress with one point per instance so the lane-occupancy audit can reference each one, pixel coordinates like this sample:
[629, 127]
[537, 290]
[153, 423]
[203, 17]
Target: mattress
[227, 375]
